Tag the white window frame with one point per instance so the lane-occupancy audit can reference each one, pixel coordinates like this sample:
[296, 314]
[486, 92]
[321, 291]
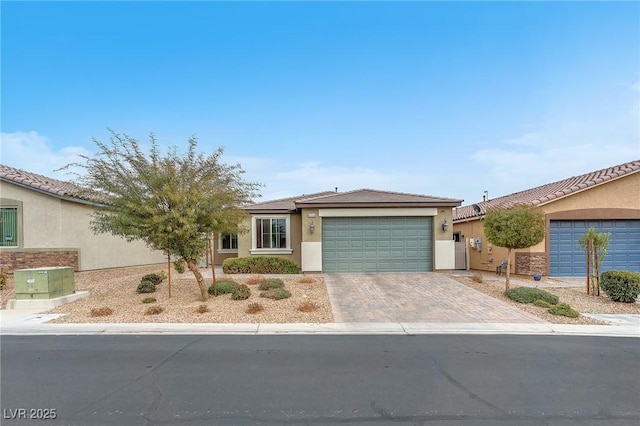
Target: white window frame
[254, 240]
[224, 250]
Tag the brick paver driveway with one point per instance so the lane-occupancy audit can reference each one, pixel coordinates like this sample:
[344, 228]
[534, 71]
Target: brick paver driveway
[414, 297]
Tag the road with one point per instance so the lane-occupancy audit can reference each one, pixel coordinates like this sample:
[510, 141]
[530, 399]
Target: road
[320, 380]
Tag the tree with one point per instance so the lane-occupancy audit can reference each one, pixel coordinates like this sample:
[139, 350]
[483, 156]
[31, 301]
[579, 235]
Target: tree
[516, 227]
[595, 244]
[173, 203]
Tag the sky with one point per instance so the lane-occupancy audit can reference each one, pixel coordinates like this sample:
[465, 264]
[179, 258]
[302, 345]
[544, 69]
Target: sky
[448, 99]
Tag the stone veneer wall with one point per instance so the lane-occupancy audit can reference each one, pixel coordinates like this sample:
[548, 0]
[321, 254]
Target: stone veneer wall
[531, 263]
[12, 260]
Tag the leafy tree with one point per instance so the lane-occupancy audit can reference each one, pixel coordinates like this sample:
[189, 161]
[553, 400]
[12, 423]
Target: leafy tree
[173, 203]
[595, 244]
[515, 227]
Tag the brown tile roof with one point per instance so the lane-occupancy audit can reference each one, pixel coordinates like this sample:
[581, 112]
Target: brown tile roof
[357, 198]
[550, 192]
[54, 187]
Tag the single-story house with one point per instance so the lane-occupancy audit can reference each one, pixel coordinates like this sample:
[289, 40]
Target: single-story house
[607, 200]
[45, 222]
[357, 231]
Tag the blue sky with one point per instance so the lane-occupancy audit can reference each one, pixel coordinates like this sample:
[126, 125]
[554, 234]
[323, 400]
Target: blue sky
[442, 98]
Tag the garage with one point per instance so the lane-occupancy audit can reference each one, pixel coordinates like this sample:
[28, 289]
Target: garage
[377, 244]
[567, 258]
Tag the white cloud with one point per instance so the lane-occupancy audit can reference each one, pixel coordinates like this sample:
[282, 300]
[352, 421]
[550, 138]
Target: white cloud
[34, 153]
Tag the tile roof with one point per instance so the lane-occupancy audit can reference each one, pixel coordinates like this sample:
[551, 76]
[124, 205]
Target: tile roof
[550, 192]
[54, 187]
[283, 204]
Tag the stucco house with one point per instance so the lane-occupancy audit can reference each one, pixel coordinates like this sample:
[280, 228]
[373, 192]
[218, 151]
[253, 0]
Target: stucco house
[45, 222]
[607, 200]
[357, 231]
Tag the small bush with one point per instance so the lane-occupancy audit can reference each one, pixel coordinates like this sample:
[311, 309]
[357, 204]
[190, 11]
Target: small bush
[542, 303]
[254, 308]
[241, 293]
[307, 306]
[146, 287]
[621, 286]
[153, 277]
[307, 280]
[259, 265]
[3, 280]
[101, 312]
[276, 294]
[180, 266]
[477, 277]
[224, 287]
[154, 310]
[564, 310]
[271, 283]
[254, 279]
[149, 300]
[530, 295]
[202, 309]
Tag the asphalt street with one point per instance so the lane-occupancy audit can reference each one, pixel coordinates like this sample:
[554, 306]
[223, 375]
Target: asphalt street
[319, 380]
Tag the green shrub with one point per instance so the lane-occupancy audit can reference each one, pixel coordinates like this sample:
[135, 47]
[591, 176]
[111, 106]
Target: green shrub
[180, 266]
[153, 277]
[564, 310]
[276, 294]
[542, 303]
[530, 295]
[259, 265]
[224, 287]
[621, 286]
[241, 293]
[148, 300]
[271, 283]
[146, 287]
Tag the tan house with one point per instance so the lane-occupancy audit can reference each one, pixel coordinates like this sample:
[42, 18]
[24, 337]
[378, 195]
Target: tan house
[357, 231]
[607, 200]
[45, 222]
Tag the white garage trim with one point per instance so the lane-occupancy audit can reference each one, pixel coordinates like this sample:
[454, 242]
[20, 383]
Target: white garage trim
[378, 212]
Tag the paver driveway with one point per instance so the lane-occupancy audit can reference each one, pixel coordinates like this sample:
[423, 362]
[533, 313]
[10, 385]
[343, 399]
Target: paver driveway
[414, 297]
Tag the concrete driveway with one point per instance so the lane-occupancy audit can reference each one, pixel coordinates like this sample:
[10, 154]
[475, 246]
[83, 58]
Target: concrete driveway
[415, 297]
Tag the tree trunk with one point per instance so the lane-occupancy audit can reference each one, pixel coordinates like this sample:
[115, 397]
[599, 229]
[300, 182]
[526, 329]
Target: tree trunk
[213, 268]
[507, 282]
[169, 269]
[193, 267]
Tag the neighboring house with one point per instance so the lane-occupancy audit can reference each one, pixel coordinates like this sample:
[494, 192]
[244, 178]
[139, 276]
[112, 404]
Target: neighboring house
[357, 231]
[45, 222]
[607, 200]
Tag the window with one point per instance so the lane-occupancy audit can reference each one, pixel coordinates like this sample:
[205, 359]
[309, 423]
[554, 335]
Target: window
[271, 234]
[229, 242]
[9, 226]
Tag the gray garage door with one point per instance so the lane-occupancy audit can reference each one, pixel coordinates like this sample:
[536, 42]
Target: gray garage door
[567, 258]
[377, 244]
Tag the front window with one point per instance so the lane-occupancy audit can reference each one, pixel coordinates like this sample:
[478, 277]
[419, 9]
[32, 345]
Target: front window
[229, 242]
[9, 226]
[271, 234]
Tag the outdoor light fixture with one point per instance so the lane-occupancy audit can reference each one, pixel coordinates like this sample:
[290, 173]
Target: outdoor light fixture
[445, 225]
[312, 227]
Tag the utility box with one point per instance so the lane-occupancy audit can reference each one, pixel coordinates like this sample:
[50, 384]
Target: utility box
[43, 283]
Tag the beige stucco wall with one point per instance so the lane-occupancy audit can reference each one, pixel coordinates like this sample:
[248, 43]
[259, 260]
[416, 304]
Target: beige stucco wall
[48, 222]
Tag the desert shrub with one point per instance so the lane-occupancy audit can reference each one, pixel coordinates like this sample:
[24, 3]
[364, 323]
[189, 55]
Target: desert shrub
[542, 303]
[3, 280]
[307, 280]
[149, 300]
[146, 287]
[564, 310]
[224, 287]
[101, 312]
[241, 293]
[254, 308]
[477, 277]
[621, 286]
[259, 265]
[530, 295]
[254, 279]
[307, 306]
[179, 265]
[276, 293]
[153, 277]
[201, 309]
[271, 283]
[154, 310]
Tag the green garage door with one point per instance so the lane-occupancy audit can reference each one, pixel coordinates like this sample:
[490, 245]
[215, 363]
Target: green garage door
[377, 244]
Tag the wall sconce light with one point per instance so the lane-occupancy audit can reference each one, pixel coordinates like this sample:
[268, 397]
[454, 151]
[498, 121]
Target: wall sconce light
[445, 225]
[312, 227]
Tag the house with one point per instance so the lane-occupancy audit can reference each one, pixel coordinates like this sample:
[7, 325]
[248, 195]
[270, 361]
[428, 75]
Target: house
[607, 200]
[45, 222]
[358, 231]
